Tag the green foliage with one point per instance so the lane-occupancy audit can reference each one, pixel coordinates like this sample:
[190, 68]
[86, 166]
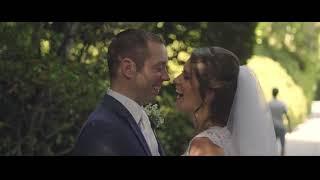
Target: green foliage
[44, 103]
[296, 47]
[183, 37]
[317, 96]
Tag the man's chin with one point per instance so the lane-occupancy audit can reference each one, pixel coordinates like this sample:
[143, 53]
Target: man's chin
[150, 100]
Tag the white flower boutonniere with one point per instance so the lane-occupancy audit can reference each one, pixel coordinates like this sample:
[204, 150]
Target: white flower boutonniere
[154, 115]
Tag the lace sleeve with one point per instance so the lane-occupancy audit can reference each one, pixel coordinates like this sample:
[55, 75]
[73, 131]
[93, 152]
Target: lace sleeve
[217, 135]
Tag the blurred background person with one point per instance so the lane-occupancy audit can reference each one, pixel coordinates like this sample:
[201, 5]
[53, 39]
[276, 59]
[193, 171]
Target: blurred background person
[278, 109]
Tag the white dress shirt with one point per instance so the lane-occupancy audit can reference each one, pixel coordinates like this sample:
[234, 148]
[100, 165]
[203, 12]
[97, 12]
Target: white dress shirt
[141, 119]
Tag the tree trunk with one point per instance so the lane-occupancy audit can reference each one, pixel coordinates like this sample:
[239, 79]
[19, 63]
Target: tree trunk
[70, 30]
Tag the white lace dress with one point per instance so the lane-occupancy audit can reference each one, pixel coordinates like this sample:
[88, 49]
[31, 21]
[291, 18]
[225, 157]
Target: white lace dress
[220, 136]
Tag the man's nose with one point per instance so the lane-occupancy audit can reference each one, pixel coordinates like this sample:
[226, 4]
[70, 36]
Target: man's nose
[165, 76]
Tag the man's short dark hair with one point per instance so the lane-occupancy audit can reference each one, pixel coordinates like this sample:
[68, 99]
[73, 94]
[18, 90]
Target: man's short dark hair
[133, 44]
[275, 92]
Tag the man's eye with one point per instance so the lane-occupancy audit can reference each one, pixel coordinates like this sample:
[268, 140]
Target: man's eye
[160, 68]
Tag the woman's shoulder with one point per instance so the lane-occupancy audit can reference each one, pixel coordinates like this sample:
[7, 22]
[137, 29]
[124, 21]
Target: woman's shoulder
[212, 141]
[203, 146]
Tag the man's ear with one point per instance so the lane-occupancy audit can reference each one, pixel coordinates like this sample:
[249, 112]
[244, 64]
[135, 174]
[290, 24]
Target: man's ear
[128, 68]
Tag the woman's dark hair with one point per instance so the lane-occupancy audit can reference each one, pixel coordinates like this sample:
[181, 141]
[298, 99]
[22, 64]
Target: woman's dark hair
[219, 73]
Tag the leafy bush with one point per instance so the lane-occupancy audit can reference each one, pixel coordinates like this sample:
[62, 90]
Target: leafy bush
[271, 74]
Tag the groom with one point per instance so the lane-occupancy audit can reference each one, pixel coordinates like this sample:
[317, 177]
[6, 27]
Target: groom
[119, 126]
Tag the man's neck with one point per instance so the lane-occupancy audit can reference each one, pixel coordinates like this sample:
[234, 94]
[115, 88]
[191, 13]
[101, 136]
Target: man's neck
[125, 92]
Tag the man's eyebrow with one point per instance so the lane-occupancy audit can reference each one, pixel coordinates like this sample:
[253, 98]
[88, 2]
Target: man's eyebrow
[160, 63]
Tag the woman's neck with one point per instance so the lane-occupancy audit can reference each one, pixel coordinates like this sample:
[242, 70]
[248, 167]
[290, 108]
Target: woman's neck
[203, 121]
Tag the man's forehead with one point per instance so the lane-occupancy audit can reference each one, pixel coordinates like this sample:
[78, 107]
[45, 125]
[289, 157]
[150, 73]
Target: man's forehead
[158, 59]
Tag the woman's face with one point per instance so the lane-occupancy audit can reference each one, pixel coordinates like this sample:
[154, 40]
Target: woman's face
[187, 89]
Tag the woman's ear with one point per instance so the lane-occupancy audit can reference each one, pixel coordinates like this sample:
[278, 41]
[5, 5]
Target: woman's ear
[128, 68]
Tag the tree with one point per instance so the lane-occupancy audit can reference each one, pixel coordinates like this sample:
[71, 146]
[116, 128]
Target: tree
[295, 45]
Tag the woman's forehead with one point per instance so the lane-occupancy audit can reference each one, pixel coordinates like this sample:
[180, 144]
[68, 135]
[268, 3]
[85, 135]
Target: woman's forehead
[200, 66]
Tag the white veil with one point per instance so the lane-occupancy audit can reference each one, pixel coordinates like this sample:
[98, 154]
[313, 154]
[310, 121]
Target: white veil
[250, 121]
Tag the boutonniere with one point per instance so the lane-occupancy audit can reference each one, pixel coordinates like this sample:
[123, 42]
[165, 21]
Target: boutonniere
[154, 114]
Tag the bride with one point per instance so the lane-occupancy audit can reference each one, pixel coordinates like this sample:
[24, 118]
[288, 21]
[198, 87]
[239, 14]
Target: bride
[226, 105]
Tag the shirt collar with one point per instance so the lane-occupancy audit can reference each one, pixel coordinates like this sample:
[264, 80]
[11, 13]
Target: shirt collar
[134, 108]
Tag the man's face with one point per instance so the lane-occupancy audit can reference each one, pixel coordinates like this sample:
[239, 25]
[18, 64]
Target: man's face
[149, 79]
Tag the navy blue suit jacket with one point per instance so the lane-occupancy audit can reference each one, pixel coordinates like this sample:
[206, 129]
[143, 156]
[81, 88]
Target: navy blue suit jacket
[111, 131]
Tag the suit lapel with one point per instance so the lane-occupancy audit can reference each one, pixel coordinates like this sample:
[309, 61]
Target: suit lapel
[117, 107]
[160, 149]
